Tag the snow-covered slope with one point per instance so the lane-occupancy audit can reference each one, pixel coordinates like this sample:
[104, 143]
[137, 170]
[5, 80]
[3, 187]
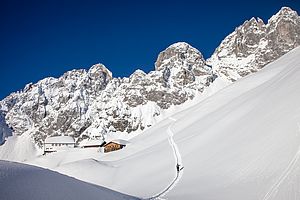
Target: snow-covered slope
[241, 143]
[20, 181]
[244, 142]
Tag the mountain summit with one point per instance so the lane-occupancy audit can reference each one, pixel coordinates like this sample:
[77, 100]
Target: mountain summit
[93, 103]
[254, 44]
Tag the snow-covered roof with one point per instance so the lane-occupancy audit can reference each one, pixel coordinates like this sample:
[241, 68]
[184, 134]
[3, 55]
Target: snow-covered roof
[119, 141]
[91, 142]
[60, 140]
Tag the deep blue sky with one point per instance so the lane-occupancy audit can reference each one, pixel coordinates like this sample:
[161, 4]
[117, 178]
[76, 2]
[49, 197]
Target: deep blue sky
[48, 37]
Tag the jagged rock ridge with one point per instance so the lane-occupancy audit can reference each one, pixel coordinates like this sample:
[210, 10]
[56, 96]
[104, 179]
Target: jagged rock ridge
[92, 103]
[255, 44]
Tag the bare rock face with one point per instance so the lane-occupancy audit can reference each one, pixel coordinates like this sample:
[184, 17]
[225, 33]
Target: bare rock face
[55, 106]
[255, 44]
[5, 131]
[91, 103]
[181, 55]
[176, 79]
[178, 68]
[182, 63]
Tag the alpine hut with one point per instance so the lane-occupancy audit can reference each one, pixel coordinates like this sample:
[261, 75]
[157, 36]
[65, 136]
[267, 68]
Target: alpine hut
[113, 145]
[55, 143]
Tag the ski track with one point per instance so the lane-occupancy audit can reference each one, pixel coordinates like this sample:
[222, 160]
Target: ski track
[274, 189]
[178, 160]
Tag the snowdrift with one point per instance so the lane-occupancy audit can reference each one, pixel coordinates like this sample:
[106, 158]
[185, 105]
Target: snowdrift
[19, 181]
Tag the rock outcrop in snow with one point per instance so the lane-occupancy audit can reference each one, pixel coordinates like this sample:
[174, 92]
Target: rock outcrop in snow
[5, 131]
[91, 103]
[255, 44]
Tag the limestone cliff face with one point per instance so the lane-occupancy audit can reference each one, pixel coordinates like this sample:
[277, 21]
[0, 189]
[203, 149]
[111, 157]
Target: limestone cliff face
[178, 69]
[255, 44]
[80, 102]
[92, 103]
[5, 131]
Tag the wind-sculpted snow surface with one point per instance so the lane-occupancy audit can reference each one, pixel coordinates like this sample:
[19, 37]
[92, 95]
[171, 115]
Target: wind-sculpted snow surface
[19, 181]
[285, 174]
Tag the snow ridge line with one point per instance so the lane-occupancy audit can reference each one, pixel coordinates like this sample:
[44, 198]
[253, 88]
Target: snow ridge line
[274, 189]
[178, 160]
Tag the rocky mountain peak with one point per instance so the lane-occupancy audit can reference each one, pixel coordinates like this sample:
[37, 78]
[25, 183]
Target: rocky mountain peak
[99, 76]
[180, 54]
[254, 44]
[284, 29]
[181, 64]
[285, 13]
[100, 71]
[137, 76]
[256, 24]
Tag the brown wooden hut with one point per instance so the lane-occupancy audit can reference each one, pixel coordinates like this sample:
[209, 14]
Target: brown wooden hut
[113, 145]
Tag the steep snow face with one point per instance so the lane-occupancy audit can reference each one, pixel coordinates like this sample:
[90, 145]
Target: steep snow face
[254, 44]
[19, 181]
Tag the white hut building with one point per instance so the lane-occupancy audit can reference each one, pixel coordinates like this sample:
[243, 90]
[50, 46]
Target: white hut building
[56, 143]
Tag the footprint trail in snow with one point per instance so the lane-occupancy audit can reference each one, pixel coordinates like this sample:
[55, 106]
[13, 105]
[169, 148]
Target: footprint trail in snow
[178, 164]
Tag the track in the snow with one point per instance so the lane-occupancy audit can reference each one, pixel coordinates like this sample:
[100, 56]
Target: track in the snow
[178, 161]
